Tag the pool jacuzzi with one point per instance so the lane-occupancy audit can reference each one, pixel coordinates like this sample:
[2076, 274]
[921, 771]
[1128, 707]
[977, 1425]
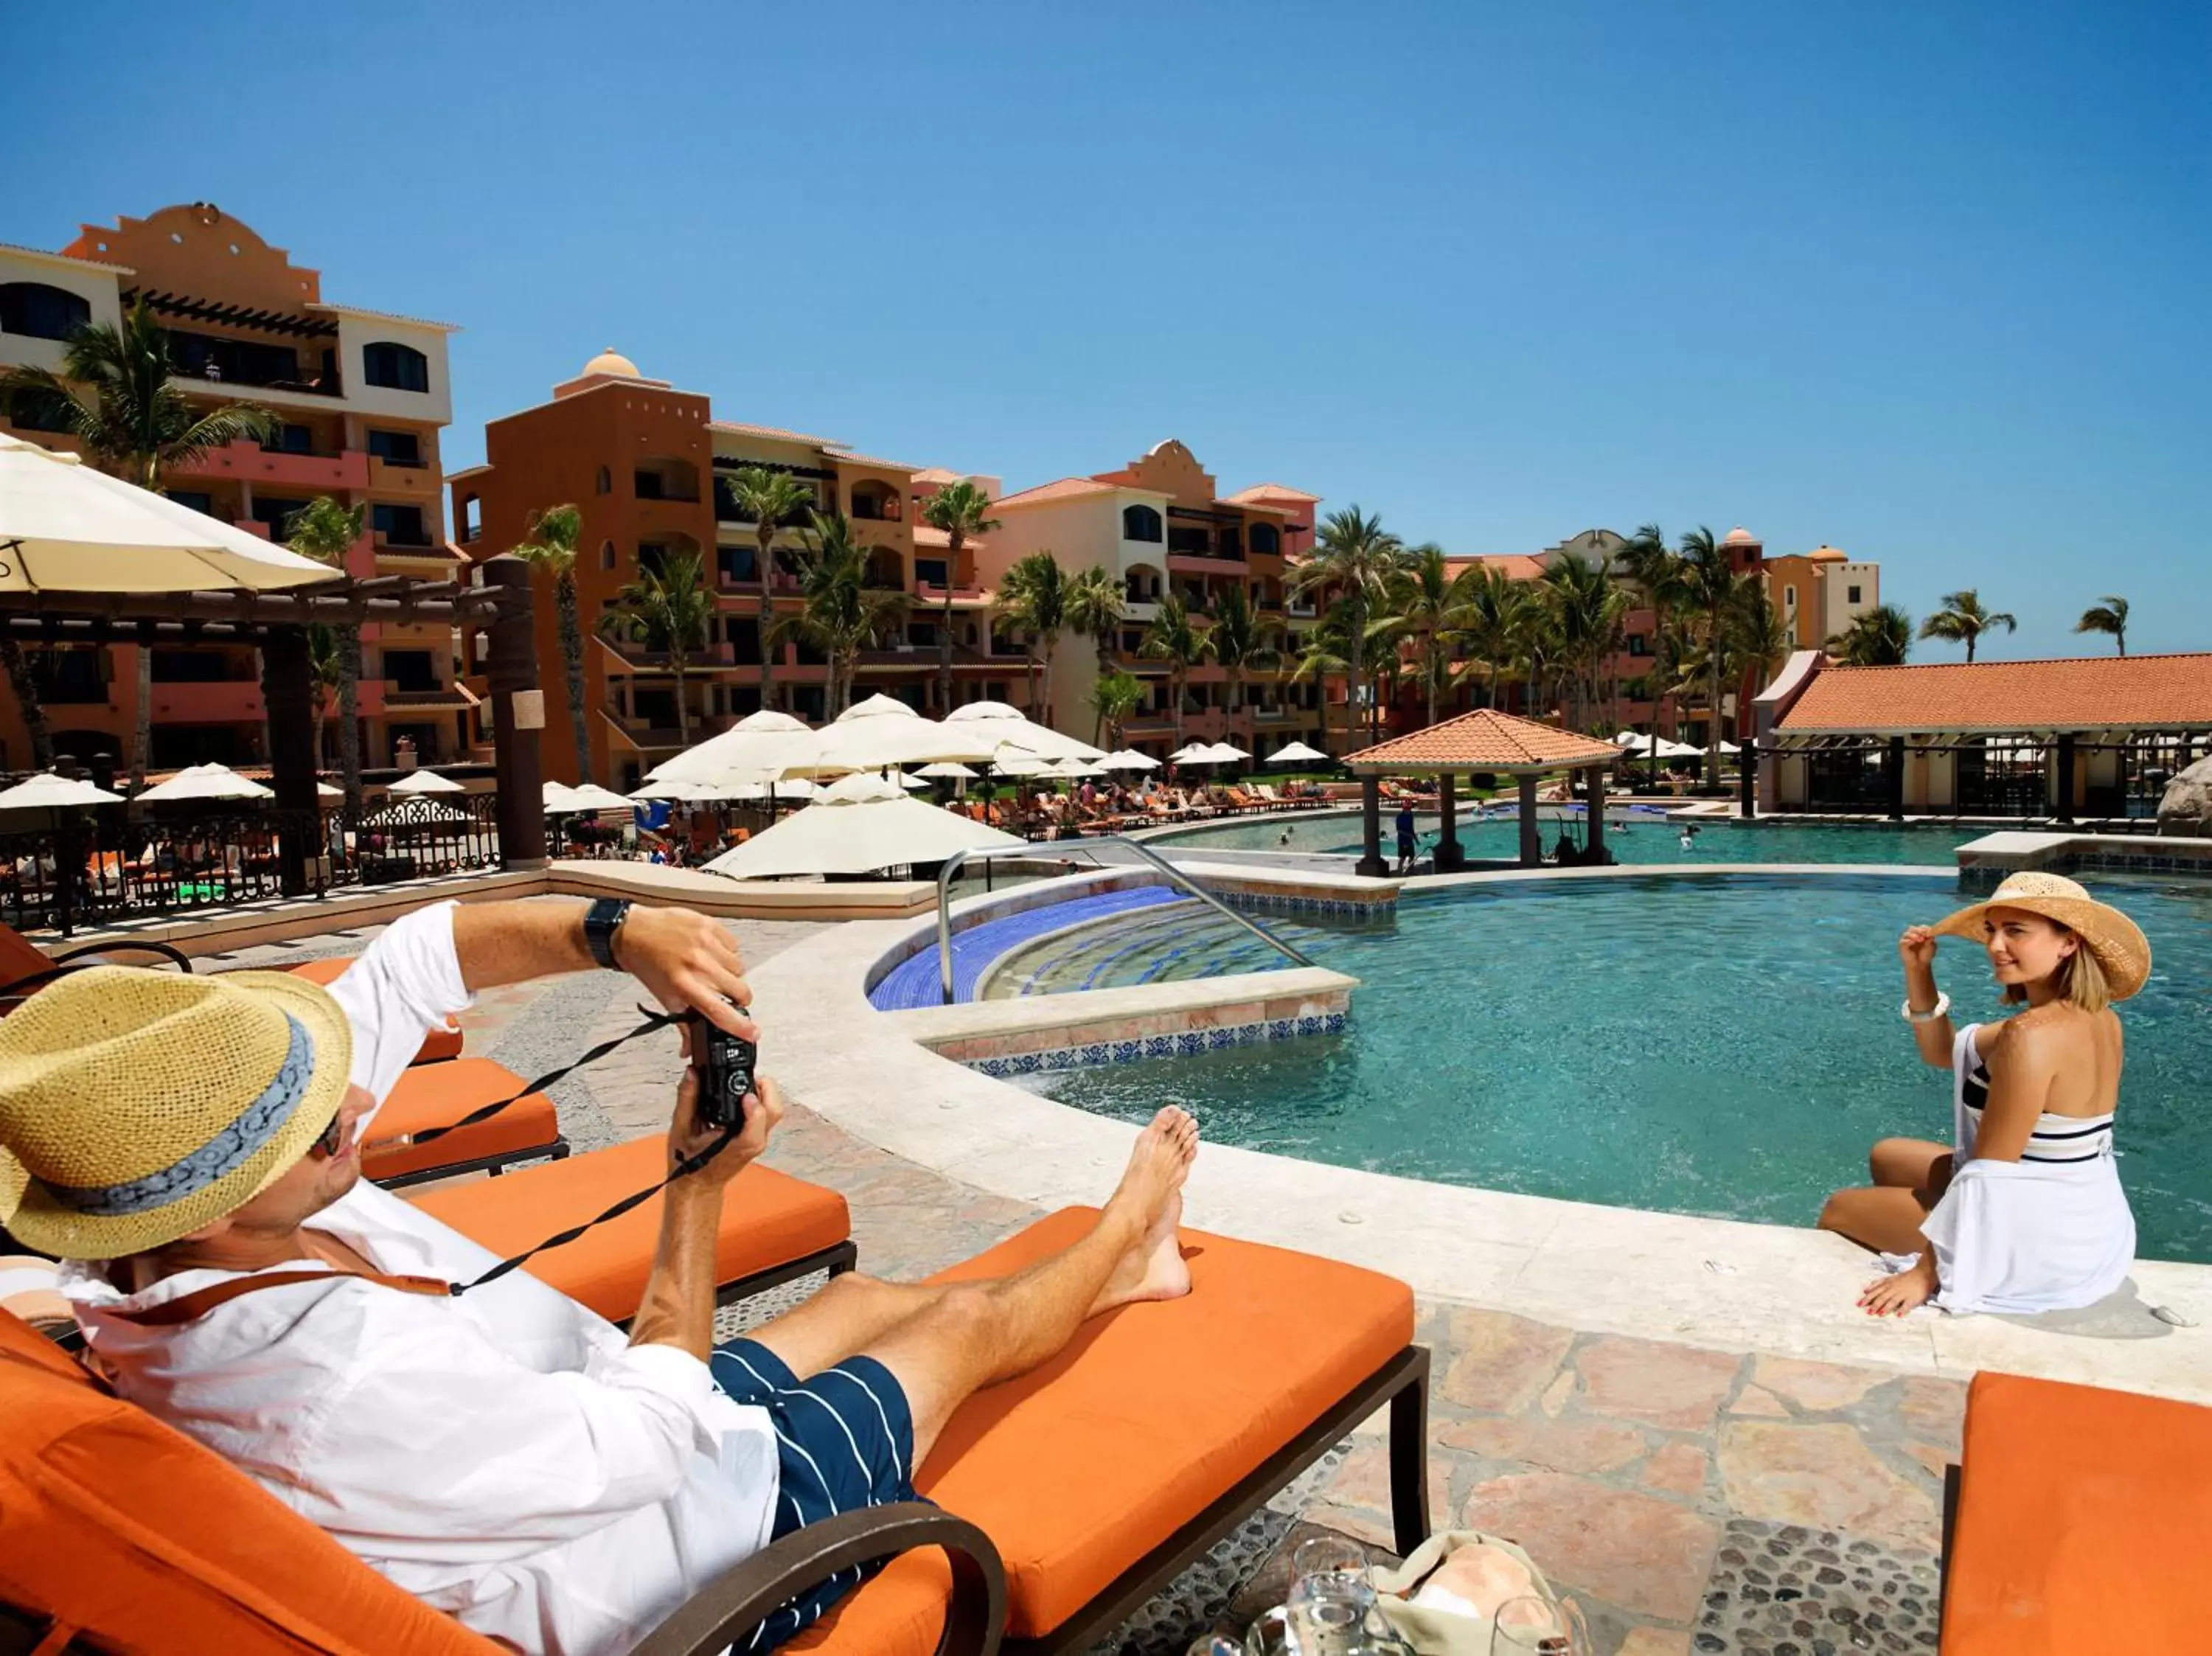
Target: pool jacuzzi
[1718, 1045]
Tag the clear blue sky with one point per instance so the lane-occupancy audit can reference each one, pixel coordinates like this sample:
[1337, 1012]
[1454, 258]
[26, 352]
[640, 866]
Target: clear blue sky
[1929, 282]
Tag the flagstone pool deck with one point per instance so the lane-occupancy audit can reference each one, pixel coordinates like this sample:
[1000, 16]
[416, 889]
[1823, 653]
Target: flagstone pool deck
[1703, 1484]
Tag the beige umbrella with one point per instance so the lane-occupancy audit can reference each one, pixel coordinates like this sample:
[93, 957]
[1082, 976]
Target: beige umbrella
[1298, 753]
[947, 770]
[1005, 725]
[593, 797]
[417, 783]
[66, 527]
[325, 790]
[764, 743]
[880, 731]
[209, 781]
[1128, 759]
[48, 790]
[561, 799]
[859, 825]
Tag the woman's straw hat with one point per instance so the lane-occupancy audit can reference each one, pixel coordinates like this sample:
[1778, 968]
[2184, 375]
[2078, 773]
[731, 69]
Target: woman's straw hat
[136, 1105]
[2117, 941]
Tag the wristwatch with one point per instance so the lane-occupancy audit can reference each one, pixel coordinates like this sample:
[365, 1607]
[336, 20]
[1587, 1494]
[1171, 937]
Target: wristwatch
[602, 920]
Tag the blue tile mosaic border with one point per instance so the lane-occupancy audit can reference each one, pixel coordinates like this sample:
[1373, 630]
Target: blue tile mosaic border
[1185, 1043]
[1980, 878]
[1272, 903]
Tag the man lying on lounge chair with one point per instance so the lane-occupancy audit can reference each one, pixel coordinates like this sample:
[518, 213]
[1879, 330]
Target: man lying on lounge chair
[189, 1145]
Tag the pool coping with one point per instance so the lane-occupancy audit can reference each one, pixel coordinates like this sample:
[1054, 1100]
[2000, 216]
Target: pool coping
[1724, 1283]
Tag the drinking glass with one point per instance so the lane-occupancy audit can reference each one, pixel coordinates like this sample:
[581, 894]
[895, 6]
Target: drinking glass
[1273, 1633]
[1531, 1626]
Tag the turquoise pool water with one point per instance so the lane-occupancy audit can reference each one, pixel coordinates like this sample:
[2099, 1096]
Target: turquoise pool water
[1726, 1045]
[1647, 840]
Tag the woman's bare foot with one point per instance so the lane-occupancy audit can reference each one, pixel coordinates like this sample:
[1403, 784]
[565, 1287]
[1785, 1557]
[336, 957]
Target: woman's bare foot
[1152, 1267]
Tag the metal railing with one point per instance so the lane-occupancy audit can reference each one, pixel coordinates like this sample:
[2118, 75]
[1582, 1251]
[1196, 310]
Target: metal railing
[1144, 853]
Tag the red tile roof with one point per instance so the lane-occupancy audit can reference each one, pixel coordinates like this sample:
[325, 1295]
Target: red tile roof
[1065, 489]
[930, 535]
[1271, 492]
[1517, 565]
[740, 428]
[2092, 693]
[1486, 740]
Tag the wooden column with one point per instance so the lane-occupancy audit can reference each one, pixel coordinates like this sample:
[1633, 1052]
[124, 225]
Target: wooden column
[1532, 843]
[2065, 811]
[1449, 858]
[1371, 829]
[1746, 782]
[518, 707]
[1594, 801]
[288, 695]
[1892, 769]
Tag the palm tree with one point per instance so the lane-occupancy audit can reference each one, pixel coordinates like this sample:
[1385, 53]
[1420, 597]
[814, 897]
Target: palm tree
[1963, 620]
[1358, 557]
[768, 499]
[666, 609]
[1709, 587]
[1113, 699]
[961, 510]
[25, 683]
[2110, 615]
[1324, 653]
[1174, 639]
[115, 397]
[1430, 604]
[326, 673]
[325, 532]
[1094, 609]
[1583, 610]
[1879, 637]
[1493, 615]
[843, 615]
[552, 547]
[1655, 570]
[1032, 598]
[1239, 641]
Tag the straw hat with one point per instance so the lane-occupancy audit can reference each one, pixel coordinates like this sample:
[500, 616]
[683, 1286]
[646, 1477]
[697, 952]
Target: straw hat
[2117, 941]
[136, 1105]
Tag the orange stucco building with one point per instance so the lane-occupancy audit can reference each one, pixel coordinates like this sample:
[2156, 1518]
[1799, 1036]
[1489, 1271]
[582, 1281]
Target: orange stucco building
[361, 397]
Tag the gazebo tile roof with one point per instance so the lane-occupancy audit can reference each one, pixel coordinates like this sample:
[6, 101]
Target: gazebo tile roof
[1486, 740]
[2090, 692]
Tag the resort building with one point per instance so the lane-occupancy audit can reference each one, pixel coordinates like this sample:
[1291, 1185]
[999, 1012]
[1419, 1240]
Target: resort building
[649, 469]
[1160, 526]
[2066, 740]
[1818, 594]
[361, 397]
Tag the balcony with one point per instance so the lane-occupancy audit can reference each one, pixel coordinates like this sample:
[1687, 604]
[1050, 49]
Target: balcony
[1204, 563]
[406, 546]
[316, 385]
[411, 695]
[963, 597]
[638, 659]
[250, 462]
[402, 476]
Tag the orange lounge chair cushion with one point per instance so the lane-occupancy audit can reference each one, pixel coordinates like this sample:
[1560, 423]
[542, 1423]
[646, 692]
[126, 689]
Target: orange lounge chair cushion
[437, 1046]
[2084, 1518]
[768, 1218]
[1078, 1469]
[438, 1095]
[112, 1524]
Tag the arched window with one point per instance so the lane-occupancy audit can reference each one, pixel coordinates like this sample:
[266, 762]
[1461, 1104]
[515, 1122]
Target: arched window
[39, 311]
[606, 484]
[1267, 542]
[1140, 523]
[607, 556]
[395, 368]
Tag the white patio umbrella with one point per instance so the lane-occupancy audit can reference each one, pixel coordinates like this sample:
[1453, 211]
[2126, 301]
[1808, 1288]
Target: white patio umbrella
[66, 527]
[560, 799]
[764, 743]
[1003, 724]
[48, 790]
[1298, 753]
[1127, 759]
[1074, 769]
[414, 784]
[911, 784]
[686, 793]
[1227, 753]
[860, 824]
[1188, 753]
[948, 770]
[790, 787]
[1012, 762]
[325, 790]
[591, 797]
[880, 731]
[1208, 753]
[209, 781]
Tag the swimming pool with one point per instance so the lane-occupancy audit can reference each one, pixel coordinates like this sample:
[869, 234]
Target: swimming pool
[1647, 840]
[1718, 1045]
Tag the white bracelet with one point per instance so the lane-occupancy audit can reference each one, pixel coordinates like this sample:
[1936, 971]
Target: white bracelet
[1942, 1005]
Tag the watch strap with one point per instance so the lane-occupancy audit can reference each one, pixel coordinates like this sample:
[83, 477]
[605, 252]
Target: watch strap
[601, 921]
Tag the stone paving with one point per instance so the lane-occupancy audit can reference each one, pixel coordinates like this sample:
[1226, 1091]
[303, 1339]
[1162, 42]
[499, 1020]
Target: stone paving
[1691, 1499]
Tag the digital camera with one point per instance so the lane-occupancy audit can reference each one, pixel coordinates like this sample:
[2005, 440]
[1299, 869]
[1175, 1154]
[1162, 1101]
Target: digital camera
[725, 1063]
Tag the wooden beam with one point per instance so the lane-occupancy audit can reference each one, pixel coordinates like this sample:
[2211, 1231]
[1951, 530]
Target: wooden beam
[339, 601]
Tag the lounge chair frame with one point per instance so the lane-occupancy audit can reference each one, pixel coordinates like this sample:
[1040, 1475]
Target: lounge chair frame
[494, 1164]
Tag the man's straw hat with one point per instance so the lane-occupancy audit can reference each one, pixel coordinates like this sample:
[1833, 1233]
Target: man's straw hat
[2117, 941]
[137, 1106]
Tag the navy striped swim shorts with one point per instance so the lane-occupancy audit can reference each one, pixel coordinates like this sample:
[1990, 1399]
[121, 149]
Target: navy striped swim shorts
[844, 1440]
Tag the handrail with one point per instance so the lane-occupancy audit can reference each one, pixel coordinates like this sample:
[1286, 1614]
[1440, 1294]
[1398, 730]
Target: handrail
[959, 859]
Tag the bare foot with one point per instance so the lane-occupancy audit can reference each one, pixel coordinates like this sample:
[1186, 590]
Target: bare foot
[1152, 1268]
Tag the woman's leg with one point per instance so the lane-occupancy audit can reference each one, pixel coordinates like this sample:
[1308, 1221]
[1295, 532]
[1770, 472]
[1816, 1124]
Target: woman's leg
[1910, 1163]
[1882, 1217]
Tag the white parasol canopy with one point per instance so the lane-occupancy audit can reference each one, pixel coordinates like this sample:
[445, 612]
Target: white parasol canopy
[761, 744]
[1127, 759]
[417, 783]
[1003, 724]
[1013, 762]
[560, 800]
[1227, 753]
[881, 730]
[1297, 753]
[66, 527]
[209, 781]
[325, 790]
[1208, 753]
[1073, 768]
[1645, 746]
[949, 770]
[48, 790]
[859, 824]
[590, 796]
[416, 813]
[911, 784]
[791, 787]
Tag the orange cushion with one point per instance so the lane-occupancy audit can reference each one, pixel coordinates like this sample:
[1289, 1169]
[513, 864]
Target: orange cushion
[117, 1526]
[768, 1218]
[1079, 1469]
[437, 1094]
[437, 1046]
[2084, 1520]
[19, 958]
[900, 1613]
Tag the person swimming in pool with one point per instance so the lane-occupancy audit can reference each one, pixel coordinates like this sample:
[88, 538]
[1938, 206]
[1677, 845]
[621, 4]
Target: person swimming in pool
[1689, 836]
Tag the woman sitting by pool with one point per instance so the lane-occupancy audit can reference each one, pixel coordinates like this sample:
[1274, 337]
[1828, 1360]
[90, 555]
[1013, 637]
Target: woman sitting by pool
[2023, 1211]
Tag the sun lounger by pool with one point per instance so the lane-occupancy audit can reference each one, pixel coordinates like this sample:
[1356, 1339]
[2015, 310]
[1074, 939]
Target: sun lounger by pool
[439, 1095]
[437, 1046]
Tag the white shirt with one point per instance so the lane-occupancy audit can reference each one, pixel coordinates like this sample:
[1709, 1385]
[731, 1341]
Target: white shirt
[506, 1456]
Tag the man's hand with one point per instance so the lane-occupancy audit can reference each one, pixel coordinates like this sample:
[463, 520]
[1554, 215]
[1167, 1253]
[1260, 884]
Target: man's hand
[687, 962]
[688, 1135]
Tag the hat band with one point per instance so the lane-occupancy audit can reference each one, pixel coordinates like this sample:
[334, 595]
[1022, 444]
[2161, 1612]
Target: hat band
[223, 1153]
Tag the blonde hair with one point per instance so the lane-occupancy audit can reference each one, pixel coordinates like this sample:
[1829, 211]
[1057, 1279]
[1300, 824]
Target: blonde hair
[2081, 976]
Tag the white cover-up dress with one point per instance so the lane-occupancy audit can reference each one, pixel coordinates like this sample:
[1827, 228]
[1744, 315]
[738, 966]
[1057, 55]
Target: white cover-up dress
[2050, 1232]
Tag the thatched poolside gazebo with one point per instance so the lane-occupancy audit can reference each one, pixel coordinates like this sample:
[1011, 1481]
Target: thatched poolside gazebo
[1491, 743]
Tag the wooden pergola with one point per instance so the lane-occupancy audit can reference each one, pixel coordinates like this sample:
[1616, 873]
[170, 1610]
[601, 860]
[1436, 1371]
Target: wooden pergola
[1493, 744]
[276, 623]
